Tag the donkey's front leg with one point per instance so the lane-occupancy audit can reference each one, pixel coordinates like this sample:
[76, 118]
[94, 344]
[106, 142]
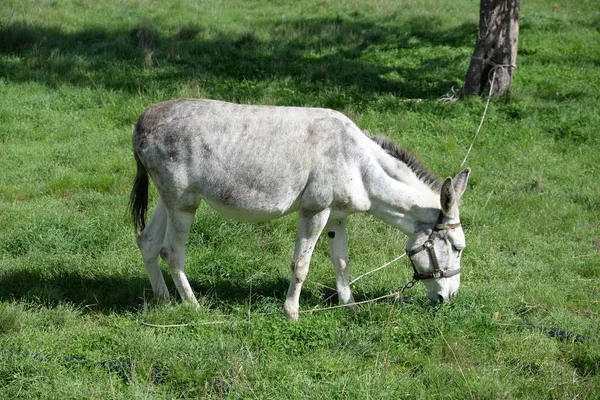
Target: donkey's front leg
[337, 234]
[310, 226]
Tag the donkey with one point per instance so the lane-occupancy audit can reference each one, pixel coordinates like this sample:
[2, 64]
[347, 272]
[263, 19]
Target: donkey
[256, 163]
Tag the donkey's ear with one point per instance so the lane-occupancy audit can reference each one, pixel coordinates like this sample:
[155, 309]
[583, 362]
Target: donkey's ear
[459, 183]
[447, 197]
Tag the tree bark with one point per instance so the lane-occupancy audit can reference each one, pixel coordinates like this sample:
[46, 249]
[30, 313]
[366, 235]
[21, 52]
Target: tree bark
[495, 56]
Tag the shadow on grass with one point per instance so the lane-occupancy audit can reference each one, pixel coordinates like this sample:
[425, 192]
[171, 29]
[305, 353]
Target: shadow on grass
[105, 294]
[313, 53]
[126, 294]
[123, 294]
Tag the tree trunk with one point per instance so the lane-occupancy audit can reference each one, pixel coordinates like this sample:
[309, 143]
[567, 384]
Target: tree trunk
[495, 56]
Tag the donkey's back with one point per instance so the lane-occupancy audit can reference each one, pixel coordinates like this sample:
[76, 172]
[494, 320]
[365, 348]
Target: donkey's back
[251, 163]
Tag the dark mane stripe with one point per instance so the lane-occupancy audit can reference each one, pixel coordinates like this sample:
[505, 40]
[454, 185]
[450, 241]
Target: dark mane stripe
[412, 162]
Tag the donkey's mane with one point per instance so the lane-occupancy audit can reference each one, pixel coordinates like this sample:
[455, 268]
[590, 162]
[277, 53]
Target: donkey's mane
[421, 170]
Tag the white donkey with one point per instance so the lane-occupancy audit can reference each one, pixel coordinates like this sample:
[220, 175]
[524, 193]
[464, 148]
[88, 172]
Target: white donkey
[256, 163]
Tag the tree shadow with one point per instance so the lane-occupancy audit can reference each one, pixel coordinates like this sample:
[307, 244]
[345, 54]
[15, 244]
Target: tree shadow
[127, 294]
[112, 293]
[109, 293]
[312, 52]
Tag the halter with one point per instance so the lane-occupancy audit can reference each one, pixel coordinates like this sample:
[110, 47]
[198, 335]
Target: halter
[428, 245]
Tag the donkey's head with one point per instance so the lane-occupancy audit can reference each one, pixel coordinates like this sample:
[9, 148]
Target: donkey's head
[435, 248]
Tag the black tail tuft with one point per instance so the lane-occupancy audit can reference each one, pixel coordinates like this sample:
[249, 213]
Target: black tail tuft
[138, 200]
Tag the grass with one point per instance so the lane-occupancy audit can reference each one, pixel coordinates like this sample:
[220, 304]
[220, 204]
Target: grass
[74, 76]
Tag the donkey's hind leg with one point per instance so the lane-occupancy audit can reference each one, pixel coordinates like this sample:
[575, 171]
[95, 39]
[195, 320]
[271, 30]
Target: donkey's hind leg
[173, 251]
[150, 241]
[337, 236]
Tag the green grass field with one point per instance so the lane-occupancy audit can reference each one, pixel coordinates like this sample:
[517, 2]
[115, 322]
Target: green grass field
[75, 75]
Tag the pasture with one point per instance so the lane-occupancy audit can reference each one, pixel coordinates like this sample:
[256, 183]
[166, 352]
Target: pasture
[75, 301]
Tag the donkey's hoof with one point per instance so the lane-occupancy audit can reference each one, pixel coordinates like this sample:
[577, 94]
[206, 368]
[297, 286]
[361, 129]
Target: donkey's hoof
[348, 302]
[291, 315]
[160, 295]
[192, 302]
[290, 311]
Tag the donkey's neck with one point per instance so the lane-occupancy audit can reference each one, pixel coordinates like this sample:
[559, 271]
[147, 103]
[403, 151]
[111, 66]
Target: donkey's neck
[404, 166]
[400, 197]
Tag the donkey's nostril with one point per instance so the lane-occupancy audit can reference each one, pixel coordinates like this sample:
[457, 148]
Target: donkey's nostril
[440, 299]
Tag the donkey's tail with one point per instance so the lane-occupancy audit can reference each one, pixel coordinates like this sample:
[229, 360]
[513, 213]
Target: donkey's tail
[138, 200]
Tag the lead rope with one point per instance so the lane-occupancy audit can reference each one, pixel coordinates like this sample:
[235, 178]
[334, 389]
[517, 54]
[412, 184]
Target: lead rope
[483, 116]
[408, 284]
[395, 295]
[413, 281]
[352, 282]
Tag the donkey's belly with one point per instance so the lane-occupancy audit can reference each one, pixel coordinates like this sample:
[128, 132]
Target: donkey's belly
[250, 194]
[256, 213]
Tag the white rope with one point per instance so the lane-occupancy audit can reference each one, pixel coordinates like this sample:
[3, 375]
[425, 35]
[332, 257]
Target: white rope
[377, 269]
[461, 165]
[482, 119]
[358, 303]
[387, 264]
[494, 69]
[395, 294]
[181, 325]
